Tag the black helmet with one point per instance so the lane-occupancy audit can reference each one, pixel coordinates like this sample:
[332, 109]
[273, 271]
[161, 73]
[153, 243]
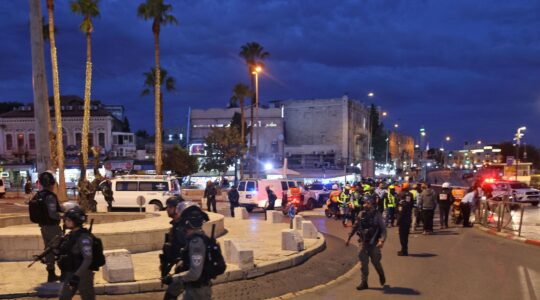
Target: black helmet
[174, 201]
[76, 214]
[46, 179]
[191, 215]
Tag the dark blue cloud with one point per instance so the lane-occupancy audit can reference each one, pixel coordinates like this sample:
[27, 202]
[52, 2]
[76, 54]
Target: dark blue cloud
[469, 69]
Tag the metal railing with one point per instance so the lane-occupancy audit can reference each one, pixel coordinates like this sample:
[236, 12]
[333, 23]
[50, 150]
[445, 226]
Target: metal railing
[501, 214]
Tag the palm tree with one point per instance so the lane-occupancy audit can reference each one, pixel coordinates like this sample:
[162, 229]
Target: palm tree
[254, 55]
[88, 9]
[150, 84]
[59, 151]
[240, 92]
[52, 142]
[46, 26]
[39, 86]
[159, 13]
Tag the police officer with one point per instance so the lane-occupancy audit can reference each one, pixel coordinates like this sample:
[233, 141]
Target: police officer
[445, 199]
[371, 230]
[50, 227]
[406, 200]
[106, 189]
[344, 200]
[75, 257]
[234, 198]
[193, 280]
[390, 205]
[175, 239]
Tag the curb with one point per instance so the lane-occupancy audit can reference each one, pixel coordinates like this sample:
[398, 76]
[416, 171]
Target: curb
[154, 285]
[509, 236]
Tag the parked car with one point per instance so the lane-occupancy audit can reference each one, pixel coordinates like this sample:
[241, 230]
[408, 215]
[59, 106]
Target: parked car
[518, 191]
[316, 195]
[155, 189]
[253, 192]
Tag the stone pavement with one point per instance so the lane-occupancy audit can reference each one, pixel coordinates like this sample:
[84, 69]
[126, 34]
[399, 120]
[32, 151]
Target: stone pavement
[262, 237]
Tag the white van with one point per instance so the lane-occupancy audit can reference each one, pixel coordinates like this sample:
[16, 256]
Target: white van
[253, 192]
[155, 189]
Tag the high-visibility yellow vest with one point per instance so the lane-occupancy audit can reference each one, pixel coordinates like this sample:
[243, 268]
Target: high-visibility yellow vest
[391, 200]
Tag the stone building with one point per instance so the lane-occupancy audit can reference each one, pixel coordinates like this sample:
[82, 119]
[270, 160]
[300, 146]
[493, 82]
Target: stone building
[401, 149]
[327, 133]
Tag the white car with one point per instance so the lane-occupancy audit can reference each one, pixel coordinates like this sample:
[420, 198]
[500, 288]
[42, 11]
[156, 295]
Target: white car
[253, 192]
[520, 192]
[154, 190]
[316, 195]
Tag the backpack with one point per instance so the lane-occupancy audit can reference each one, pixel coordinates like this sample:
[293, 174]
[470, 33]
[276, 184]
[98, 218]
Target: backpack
[38, 209]
[214, 263]
[98, 258]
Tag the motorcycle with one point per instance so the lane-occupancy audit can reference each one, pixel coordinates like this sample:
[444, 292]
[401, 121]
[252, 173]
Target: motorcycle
[332, 210]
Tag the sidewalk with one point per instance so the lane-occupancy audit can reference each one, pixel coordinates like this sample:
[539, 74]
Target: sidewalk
[17, 280]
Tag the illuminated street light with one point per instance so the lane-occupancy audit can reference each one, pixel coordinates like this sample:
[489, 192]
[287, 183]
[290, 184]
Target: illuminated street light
[448, 139]
[396, 125]
[371, 94]
[268, 166]
[479, 142]
[384, 114]
[256, 71]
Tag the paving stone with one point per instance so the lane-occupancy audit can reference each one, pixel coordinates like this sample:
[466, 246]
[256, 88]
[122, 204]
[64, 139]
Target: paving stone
[291, 240]
[309, 231]
[118, 266]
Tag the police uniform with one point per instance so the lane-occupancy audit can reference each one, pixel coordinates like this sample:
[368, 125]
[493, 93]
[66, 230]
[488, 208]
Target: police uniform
[194, 282]
[390, 207]
[177, 244]
[406, 205]
[75, 258]
[50, 229]
[371, 229]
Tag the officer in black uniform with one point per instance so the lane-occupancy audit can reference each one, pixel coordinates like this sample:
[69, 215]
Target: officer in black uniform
[175, 239]
[75, 257]
[406, 203]
[192, 279]
[371, 230]
[50, 227]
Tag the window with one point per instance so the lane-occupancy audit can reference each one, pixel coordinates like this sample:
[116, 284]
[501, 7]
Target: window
[242, 186]
[20, 141]
[78, 139]
[153, 186]
[250, 186]
[90, 139]
[32, 141]
[9, 142]
[101, 139]
[284, 186]
[292, 184]
[126, 186]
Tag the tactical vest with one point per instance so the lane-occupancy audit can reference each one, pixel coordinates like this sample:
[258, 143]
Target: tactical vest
[368, 227]
[391, 200]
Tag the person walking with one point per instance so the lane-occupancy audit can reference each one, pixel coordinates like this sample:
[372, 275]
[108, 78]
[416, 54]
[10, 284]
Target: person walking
[195, 281]
[210, 194]
[106, 189]
[75, 257]
[271, 198]
[390, 206]
[466, 206]
[428, 204]
[47, 215]
[379, 194]
[371, 230]
[345, 204]
[234, 198]
[445, 200]
[406, 199]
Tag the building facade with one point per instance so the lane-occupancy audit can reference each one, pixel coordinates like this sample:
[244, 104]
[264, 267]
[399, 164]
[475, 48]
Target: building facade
[270, 124]
[329, 133]
[18, 137]
[401, 149]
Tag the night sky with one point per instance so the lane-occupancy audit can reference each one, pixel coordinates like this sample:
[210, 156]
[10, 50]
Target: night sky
[465, 68]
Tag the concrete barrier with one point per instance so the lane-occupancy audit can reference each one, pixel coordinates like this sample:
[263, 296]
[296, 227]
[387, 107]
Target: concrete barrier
[309, 231]
[237, 254]
[118, 266]
[297, 222]
[291, 240]
[274, 217]
[240, 213]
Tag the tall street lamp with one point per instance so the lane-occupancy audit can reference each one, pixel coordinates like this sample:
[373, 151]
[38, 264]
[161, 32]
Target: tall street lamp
[256, 72]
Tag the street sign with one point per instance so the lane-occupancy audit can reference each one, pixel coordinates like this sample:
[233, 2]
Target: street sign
[509, 160]
[141, 201]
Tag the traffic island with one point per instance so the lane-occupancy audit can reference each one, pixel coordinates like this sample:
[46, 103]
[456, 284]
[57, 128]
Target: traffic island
[251, 237]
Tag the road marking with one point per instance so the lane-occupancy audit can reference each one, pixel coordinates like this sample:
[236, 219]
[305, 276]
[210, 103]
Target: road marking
[529, 280]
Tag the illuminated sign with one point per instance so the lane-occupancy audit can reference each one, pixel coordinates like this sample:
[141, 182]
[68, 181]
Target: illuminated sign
[197, 149]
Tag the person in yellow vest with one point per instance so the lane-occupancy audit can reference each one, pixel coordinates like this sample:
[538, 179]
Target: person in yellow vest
[333, 199]
[344, 200]
[390, 206]
[355, 202]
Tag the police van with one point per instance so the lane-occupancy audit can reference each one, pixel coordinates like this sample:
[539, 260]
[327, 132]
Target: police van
[253, 192]
[153, 189]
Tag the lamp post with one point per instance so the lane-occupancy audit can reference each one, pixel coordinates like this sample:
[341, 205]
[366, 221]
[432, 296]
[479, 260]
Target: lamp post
[256, 72]
[517, 138]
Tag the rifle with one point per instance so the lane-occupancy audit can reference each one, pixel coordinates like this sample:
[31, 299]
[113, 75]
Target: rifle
[53, 244]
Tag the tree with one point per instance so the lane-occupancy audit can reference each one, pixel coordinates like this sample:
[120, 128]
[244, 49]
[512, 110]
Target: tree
[159, 13]
[46, 34]
[88, 9]
[254, 55]
[179, 161]
[125, 125]
[240, 92]
[39, 86]
[58, 152]
[378, 135]
[223, 149]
